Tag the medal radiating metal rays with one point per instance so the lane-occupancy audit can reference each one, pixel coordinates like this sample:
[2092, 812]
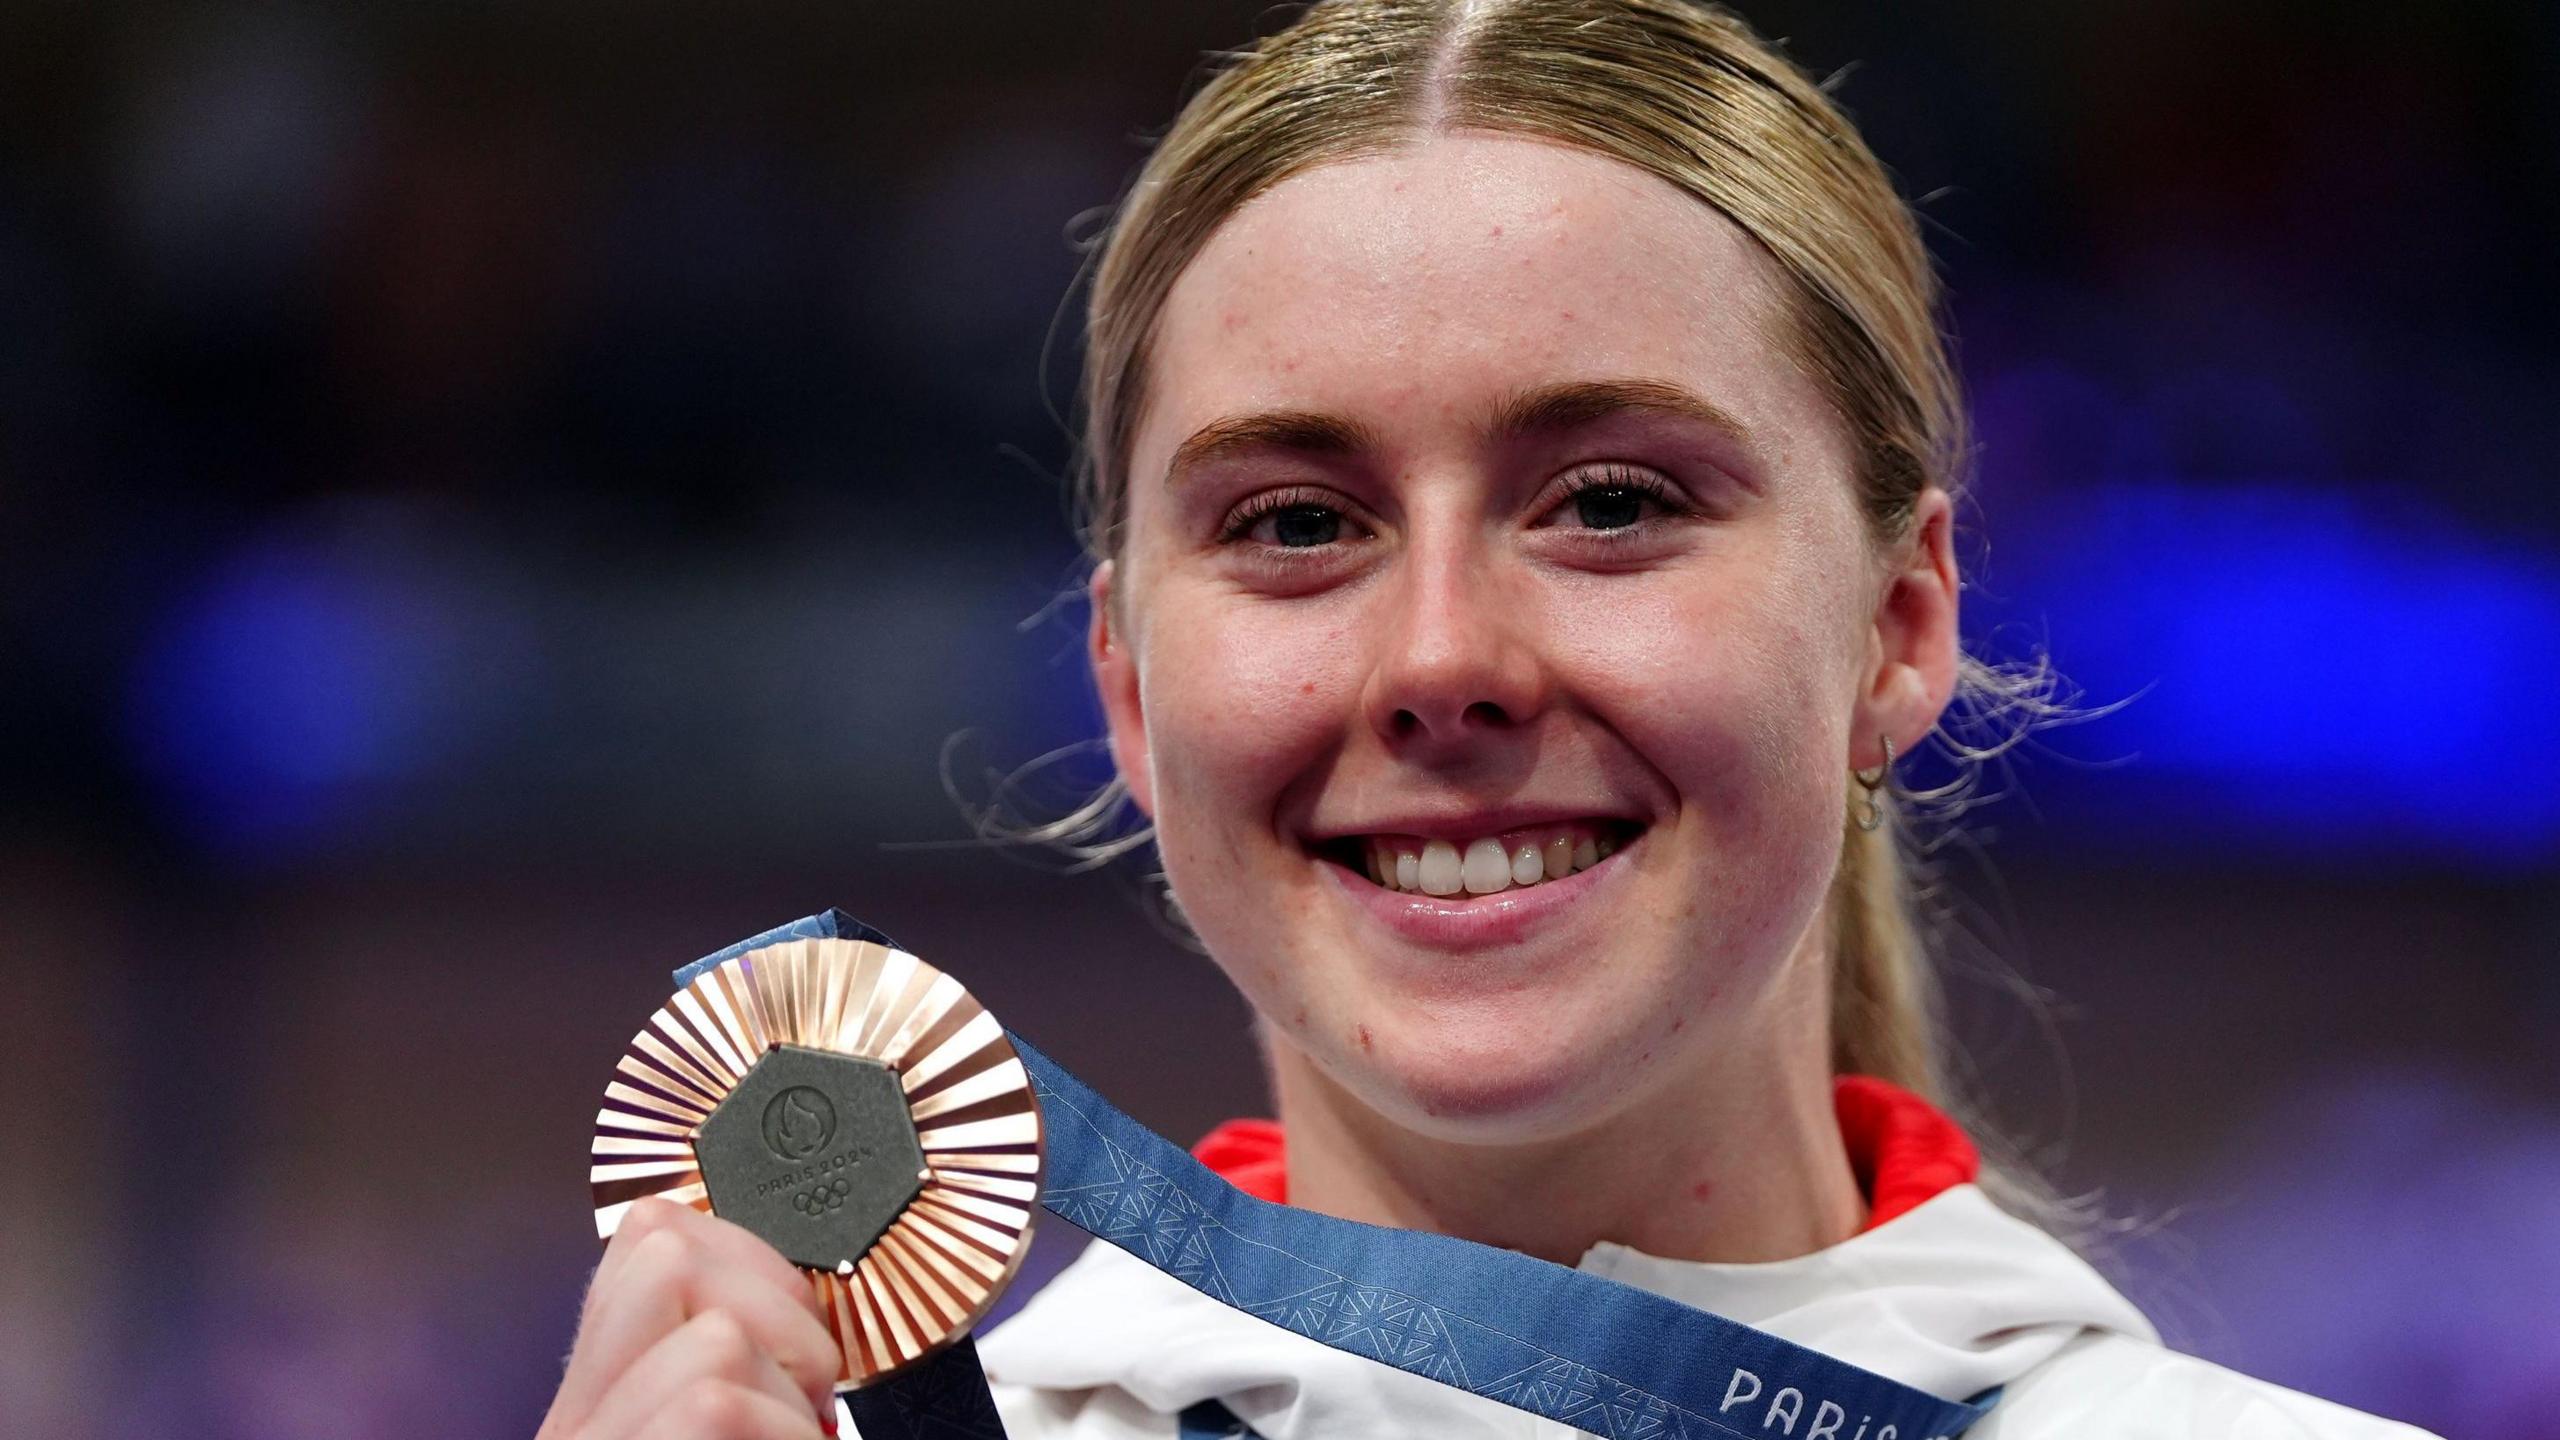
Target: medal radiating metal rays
[939, 1266]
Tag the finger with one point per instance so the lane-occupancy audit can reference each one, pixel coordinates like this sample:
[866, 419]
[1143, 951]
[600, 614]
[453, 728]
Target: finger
[784, 1323]
[629, 1306]
[731, 1241]
[672, 1276]
[707, 1352]
[715, 1411]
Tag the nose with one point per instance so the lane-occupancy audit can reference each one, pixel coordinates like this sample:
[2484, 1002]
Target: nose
[1457, 658]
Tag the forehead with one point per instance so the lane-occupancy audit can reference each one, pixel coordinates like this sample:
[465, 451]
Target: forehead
[1417, 289]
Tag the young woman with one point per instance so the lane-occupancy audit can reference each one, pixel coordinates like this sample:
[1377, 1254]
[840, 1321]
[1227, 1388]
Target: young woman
[1521, 458]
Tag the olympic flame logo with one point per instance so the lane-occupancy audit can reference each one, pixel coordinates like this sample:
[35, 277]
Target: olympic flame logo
[798, 1123]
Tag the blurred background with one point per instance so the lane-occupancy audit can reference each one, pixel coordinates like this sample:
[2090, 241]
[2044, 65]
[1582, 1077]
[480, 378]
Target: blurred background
[498, 500]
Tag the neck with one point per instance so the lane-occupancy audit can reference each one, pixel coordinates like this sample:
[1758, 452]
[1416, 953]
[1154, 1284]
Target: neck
[1748, 1166]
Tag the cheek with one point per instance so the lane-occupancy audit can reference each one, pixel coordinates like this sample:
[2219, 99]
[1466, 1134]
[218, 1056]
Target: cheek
[1242, 701]
[1240, 698]
[1732, 686]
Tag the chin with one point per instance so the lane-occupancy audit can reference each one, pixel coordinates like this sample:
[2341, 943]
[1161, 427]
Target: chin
[1498, 1081]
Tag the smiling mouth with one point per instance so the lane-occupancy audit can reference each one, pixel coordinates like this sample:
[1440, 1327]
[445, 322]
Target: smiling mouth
[1485, 865]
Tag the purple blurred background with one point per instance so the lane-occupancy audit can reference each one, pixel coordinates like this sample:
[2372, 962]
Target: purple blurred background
[496, 501]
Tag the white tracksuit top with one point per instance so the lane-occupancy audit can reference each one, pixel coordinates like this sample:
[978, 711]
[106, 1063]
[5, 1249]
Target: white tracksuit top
[1953, 1297]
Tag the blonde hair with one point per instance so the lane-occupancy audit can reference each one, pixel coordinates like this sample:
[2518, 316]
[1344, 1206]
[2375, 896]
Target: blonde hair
[1688, 93]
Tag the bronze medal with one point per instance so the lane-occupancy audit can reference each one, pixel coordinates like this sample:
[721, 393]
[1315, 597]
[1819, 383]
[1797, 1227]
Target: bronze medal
[856, 1109]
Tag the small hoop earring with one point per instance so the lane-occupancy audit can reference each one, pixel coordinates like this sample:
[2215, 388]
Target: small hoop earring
[1871, 814]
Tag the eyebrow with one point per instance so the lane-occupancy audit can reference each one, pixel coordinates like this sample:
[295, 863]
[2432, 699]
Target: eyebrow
[1547, 409]
[1304, 431]
[1550, 408]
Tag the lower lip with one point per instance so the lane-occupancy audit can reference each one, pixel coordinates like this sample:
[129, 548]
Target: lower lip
[1476, 922]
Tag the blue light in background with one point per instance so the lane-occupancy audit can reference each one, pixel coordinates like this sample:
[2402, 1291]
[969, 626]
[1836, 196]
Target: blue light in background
[303, 674]
[2316, 671]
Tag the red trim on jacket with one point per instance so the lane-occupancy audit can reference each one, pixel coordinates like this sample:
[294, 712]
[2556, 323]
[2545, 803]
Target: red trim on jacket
[1903, 1149]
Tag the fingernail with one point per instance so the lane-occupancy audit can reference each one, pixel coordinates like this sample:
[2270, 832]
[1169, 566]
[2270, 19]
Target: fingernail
[827, 1417]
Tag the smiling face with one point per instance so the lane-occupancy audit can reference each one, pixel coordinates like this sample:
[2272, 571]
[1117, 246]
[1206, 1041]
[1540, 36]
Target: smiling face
[1480, 531]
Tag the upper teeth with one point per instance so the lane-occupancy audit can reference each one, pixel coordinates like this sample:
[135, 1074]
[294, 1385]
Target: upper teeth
[1483, 866]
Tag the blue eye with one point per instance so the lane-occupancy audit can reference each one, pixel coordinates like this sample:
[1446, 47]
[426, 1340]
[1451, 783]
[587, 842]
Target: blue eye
[1298, 526]
[1609, 507]
[1297, 519]
[1613, 498]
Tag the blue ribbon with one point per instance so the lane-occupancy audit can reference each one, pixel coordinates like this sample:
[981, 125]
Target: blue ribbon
[1603, 1357]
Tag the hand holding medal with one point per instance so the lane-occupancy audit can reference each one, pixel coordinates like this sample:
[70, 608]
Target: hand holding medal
[848, 1154]
[693, 1327]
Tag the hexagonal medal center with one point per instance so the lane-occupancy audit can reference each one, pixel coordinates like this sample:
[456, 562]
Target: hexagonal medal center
[814, 1152]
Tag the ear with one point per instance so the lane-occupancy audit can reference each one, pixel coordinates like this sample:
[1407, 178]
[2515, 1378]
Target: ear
[1115, 679]
[1912, 647]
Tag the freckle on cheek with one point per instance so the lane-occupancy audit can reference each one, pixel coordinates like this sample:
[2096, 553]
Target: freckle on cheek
[1701, 1191]
[1364, 1037]
[1307, 689]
